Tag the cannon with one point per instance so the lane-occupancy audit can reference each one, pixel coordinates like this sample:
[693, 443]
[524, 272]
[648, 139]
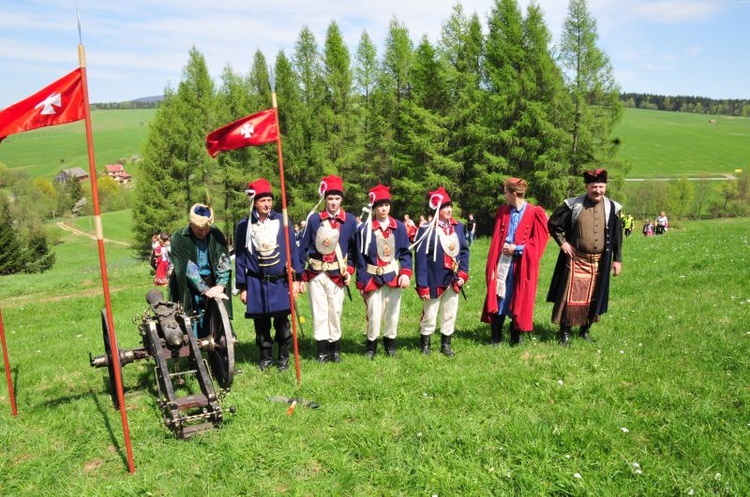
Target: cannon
[185, 366]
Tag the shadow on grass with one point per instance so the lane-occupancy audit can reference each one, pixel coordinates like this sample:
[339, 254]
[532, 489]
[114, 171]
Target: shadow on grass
[108, 426]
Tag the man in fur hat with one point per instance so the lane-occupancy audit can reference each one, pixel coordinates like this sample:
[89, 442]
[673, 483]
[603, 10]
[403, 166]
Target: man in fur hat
[328, 247]
[260, 259]
[383, 270]
[589, 233]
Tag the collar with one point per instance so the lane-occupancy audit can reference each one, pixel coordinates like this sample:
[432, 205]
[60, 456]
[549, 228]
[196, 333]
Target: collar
[451, 222]
[340, 217]
[391, 223]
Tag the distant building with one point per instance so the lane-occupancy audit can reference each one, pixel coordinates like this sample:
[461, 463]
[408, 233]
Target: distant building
[117, 173]
[74, 172]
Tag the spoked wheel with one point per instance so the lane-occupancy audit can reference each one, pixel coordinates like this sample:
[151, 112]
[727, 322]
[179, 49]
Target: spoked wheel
[221, 351]
[110, 350]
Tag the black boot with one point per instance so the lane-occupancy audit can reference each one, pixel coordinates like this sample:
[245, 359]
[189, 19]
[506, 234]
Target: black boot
[322, 351]
[266, 358]
[334, 351]
[284, 338]
[389, 344]
[565, 336]
[371, 347]
[496, 327]
[424, 344]
[585, 333]
[445, 346]
[515, 336]
[283, 363]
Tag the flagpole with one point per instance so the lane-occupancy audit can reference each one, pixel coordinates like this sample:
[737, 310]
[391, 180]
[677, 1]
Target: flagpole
[102, 260]
[6, 360]
[289, 271]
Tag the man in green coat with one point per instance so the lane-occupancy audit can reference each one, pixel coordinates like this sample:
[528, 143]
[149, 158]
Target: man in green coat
[202, 267]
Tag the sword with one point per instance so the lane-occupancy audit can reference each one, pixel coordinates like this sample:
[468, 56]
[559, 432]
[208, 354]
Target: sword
[296, 401]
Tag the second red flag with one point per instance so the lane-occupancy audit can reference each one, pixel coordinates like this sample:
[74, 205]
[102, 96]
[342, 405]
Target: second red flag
[249, 131]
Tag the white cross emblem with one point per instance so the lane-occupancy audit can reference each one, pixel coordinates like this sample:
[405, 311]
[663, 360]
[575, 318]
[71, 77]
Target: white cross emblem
[247, 131]
[47, 104]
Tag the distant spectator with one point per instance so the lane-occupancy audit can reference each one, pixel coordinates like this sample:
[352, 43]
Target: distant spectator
[471, 229]
[628, 222]
[648, 228]
[662, 223]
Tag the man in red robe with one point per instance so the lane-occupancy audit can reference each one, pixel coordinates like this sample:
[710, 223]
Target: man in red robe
[518, 242]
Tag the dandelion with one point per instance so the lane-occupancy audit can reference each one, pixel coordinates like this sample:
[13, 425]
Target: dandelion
[622, 352]
[624, 430]
[636, 468]
[559, 382]
[717, 476]
[419, 434]
[577, 475]
[567, 456]
[691, 492]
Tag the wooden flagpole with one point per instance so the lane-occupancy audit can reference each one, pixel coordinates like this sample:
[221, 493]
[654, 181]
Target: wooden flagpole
[102, 259]
[289, 270]
[6, 360]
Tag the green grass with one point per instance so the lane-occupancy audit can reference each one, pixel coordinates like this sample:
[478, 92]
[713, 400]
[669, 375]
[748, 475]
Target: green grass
[44, 152]
[665, 386]
[668, 144]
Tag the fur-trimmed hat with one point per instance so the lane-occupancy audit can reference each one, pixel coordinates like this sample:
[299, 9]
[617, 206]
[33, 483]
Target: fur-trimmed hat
[201, 215]
[516, 185]
[596, 176]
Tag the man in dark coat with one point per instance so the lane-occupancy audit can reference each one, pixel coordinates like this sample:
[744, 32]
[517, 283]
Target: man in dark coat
[260, 259]
[202, 267]
[589, 232]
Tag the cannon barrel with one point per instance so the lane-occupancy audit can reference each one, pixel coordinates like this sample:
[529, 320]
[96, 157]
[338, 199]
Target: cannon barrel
[166, 313]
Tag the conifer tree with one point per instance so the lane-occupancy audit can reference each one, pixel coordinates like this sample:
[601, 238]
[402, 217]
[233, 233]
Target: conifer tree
[594, 91]
[175, 168]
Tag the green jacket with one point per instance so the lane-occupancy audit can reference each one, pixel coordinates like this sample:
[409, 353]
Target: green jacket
[184, 249]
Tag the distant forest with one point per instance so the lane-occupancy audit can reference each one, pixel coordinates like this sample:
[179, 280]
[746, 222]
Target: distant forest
[695, 105]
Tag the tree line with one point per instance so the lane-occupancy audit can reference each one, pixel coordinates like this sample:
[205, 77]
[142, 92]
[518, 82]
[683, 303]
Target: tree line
[696, 105]
[465, 112]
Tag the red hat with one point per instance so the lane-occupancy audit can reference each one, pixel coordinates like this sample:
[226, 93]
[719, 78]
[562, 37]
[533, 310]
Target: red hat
[331, 185]
[439, 198]
[380, 194]
[596, 176]
[259, 188]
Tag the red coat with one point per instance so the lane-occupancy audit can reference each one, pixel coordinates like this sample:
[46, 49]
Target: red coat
[533, 234]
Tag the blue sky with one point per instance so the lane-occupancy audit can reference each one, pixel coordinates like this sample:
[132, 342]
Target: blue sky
[135, 48]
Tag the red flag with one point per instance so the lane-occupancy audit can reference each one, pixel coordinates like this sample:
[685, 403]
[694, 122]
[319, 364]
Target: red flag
[249, 131]
[59, 103]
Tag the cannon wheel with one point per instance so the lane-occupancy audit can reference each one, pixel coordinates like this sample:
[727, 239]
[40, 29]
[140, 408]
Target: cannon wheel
[108, 350]
[221, 352]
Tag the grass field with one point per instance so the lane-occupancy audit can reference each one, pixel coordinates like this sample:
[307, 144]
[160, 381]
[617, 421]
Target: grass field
[44, 152]
[655, 144]
[669, 144]
[659, 404]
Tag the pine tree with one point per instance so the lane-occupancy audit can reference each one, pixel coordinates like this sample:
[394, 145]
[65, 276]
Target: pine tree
[175, 168]
[12, 252]
[597, 107]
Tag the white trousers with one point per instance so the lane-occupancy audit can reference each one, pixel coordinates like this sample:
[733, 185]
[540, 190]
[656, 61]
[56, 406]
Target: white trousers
[326, 305]
[447, 307]
[383, 309]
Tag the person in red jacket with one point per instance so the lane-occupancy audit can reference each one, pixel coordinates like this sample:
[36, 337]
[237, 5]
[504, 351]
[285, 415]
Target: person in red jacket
[518, 242]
